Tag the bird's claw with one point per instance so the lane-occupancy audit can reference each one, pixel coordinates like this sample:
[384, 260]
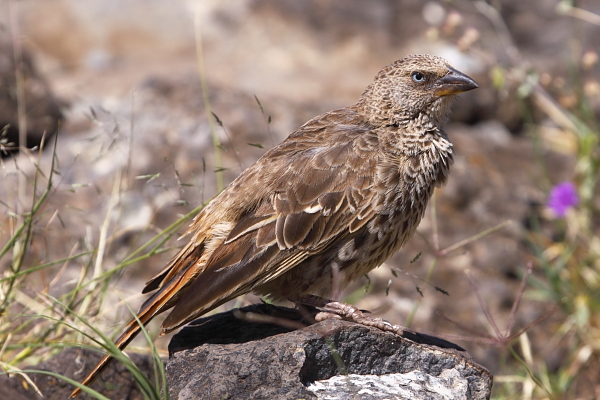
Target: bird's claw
[339, 310]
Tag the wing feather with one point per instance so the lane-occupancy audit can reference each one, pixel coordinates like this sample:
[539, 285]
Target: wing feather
[305, 206]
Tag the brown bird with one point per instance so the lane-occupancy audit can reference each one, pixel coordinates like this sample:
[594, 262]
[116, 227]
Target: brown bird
[330, 203]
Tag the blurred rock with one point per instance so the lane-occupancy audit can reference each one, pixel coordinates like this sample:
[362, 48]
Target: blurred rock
[115, 383]
[42, 108]
[489, 104]
[313, 362]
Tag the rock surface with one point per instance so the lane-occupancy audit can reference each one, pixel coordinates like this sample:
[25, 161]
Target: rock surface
[449, 385]
[331, 359]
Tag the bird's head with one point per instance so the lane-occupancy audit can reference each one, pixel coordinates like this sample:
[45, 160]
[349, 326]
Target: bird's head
[416, 89]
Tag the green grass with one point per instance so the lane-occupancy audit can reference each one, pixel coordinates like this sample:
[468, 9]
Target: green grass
[33, 327]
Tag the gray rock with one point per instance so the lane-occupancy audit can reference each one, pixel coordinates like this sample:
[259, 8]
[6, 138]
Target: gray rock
[309, 363]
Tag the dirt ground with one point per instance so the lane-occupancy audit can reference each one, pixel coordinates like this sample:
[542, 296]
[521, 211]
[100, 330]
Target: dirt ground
[128, 73]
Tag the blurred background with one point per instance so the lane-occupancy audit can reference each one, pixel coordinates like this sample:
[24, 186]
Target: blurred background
[147, 108]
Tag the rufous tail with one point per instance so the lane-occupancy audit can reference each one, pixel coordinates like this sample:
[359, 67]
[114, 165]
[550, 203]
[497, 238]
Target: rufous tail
[159, 302]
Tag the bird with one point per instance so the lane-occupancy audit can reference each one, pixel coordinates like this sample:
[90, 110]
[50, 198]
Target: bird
[327, 205]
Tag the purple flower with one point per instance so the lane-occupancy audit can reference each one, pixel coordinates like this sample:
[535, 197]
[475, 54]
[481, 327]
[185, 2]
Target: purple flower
[562, 197]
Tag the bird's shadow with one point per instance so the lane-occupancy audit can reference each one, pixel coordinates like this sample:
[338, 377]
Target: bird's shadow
[260, 321]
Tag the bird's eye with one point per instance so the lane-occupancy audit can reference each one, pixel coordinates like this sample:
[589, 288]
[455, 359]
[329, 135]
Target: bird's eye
[418, 77]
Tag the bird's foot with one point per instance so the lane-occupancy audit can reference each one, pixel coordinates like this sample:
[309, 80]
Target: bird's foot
[347, 312]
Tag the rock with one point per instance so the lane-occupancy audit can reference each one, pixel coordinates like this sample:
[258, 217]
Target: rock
[115, 383]
[42, 108]
[227, 357]
[449, 385]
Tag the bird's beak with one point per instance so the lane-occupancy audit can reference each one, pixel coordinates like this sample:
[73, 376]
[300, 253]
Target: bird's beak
[454, 82]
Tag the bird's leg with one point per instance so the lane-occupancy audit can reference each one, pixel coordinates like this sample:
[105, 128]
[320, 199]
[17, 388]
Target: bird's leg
[339, 310]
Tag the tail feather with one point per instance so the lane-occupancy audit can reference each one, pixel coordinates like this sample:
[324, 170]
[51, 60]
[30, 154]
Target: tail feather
[156, 304]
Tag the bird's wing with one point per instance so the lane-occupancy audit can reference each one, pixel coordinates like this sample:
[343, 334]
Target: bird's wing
[315, 190]
[299, 198]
